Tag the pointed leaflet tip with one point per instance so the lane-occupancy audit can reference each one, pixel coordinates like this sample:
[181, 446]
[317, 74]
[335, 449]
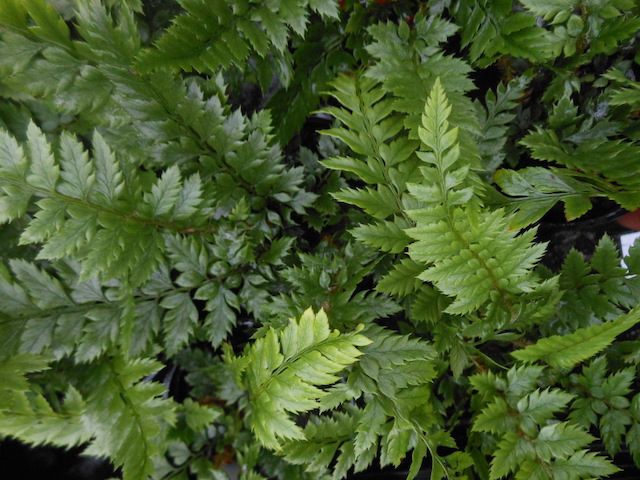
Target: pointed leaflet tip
[434, 118]
[44, 172]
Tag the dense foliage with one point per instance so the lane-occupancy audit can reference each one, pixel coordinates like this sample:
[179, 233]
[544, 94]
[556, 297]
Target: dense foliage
[191, 276]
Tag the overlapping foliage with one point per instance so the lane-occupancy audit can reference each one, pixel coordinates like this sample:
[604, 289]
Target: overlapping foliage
[190, 279]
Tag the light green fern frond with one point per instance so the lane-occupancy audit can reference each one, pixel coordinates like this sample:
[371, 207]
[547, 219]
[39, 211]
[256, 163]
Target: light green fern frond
[28, 416]
[118, 403]
[284, 370]
[471, 255]
[123, 410]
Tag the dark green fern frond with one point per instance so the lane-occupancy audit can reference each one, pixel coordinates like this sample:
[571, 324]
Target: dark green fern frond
[213, 35]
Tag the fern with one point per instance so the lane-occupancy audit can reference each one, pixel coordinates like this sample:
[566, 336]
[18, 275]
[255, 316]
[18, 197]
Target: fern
[118, 403]
[568, 350]
[494, 117]
[393, 374]
[577, 143]
[161, 234]
[523, 446]
[545, 145]
[28, 415]
[608, 405]
[80, 213]
[331, 282]
[206, 37]
[462, 254]
[409, 61]
[534, 191]
[369, 128]
[282, 371]
[493, 31]
[626, 91]
[325, 436]
[130, 408]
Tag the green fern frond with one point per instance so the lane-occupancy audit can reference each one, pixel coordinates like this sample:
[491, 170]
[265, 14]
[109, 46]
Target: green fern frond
[594, 291]
[208, 35]
[43, 314]
[527, 440]
[402, 279]
[408, 61]
[384, 159]
[608, 405]
[285, 370]
[469, 254]
[626, 91]
[122, 411]
[163, 110]
[395, 374]
[28, 416]
[396, 362]
[533, 191]
[617, 179]
[568, 350]
[494, 118]
[491, 31]
[386, 236]
[332, 280]
[326, 437]
[82, 212]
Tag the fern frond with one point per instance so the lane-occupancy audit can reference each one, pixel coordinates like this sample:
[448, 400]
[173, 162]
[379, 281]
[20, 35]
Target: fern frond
[534, 191]
[123, 411]
[395, 373]
[177, 121]
[82, 212]
[33, 420]
[386, 236]
[325, 438]
[408, 65]
[626, 91]
[285, 370]
[332, 281]
[208, 36]
[490, 31]
[594, 291]
[42, 314]
[469, 254]
[371, 129]
[608, 405]
[621, 179]
[494, 119]
[567, 350]
[28, 416]
[585, 465]
[402, 279]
